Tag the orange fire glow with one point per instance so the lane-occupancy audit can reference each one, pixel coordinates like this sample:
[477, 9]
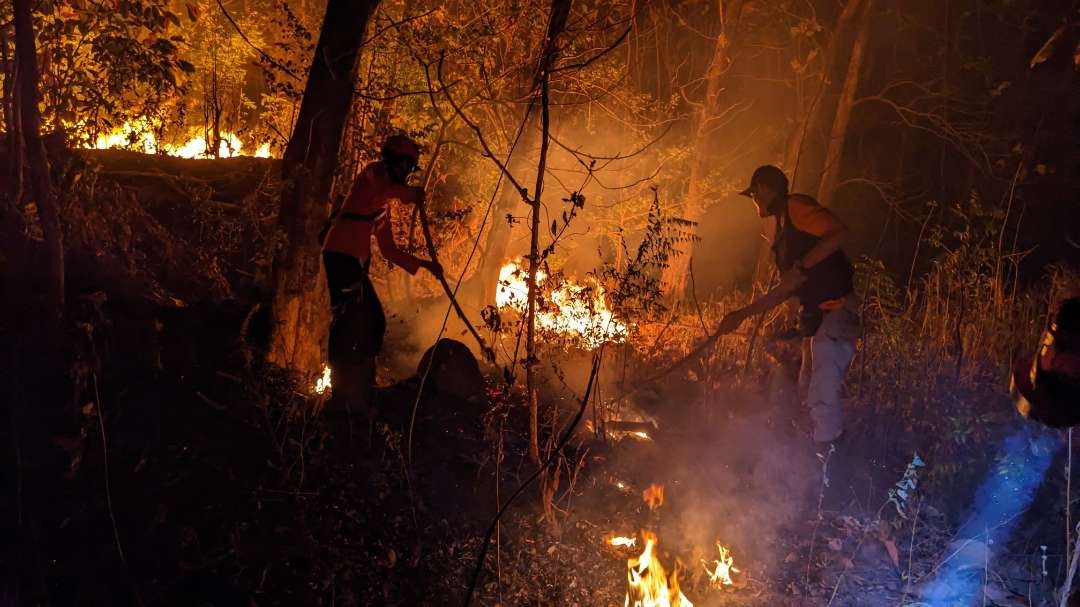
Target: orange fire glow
[322, 384]
[139, 135]
[620, 541]
[653, 496]
[575, 310]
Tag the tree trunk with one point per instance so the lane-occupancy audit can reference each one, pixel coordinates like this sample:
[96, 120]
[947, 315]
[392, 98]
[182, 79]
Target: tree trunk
[498, 241]
[560, 10]
[811, 121]
[301, 306]
[11, 126]
[38, 163]
[816, 112]
[674, 278]
[835, 151]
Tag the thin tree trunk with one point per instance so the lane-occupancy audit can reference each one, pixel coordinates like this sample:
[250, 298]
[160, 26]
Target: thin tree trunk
[813, 116]
[497, 245]
[835, 150]
[674, 276]
[38, 163]
[560, 10]
[301, 306]
[13, 125]
[809, 123]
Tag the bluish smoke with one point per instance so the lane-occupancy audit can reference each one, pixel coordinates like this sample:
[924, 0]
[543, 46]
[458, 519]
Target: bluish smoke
[1008, 490]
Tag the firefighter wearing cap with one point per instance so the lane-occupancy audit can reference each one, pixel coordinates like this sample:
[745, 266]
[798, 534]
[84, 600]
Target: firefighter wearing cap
[359, 322]
[815, 271]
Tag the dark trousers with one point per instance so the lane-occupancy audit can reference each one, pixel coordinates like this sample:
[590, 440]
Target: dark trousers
[357, 330]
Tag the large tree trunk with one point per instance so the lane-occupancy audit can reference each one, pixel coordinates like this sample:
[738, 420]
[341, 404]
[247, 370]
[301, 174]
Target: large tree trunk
[835, 150]
[44, 195]
[674, 278]
[301, 306]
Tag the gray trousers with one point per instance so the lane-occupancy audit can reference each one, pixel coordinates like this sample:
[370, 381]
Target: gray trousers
[825, 361]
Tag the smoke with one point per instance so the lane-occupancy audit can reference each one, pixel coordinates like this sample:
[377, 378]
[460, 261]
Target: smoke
[1008, 490]
[743, 481]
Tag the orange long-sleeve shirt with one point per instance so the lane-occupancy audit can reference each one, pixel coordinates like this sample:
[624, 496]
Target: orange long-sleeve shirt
[370, 196]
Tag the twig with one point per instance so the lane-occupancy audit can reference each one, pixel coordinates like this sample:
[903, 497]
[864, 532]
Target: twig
[1068, 491]
[264, 54]
[821, 499]
[1067, 588]
[468, 260]
[108, 488]
[552, 456]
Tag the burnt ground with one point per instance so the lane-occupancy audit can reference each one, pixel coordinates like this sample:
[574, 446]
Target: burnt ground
[179, 470]
[227, 490]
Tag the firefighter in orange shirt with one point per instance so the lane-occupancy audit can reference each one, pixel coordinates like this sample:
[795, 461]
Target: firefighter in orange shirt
[359, 324]
[813, 269]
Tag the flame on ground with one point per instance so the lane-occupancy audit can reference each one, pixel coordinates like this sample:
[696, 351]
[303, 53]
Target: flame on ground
[322, 384]
[722, 568]
[571, 309]
[653, 496]
[621, 541]
[648, 583]
[139, 135]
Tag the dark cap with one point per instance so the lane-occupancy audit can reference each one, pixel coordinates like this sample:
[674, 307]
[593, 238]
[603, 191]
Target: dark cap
[770, 176]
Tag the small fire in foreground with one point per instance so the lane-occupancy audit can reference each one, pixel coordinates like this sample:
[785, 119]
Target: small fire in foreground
[571, 309]
[720, 574]
[648, 583]
[323, 383]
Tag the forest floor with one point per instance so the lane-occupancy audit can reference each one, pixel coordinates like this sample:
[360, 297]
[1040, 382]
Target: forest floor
[186, 472]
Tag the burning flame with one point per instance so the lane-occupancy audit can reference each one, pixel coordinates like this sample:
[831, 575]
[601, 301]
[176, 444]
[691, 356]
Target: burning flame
[323, 383]
[621, 541]
[648, 584]
[573, 310]
[720, 574]
[139, 135]
[653, 496]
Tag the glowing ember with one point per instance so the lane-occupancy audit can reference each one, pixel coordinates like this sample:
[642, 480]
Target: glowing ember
[139, 135]
[323, 383]
[648, 583]
[720, 573]
[653, 496]
[621, 541]
[641, 435]
[571, 309]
